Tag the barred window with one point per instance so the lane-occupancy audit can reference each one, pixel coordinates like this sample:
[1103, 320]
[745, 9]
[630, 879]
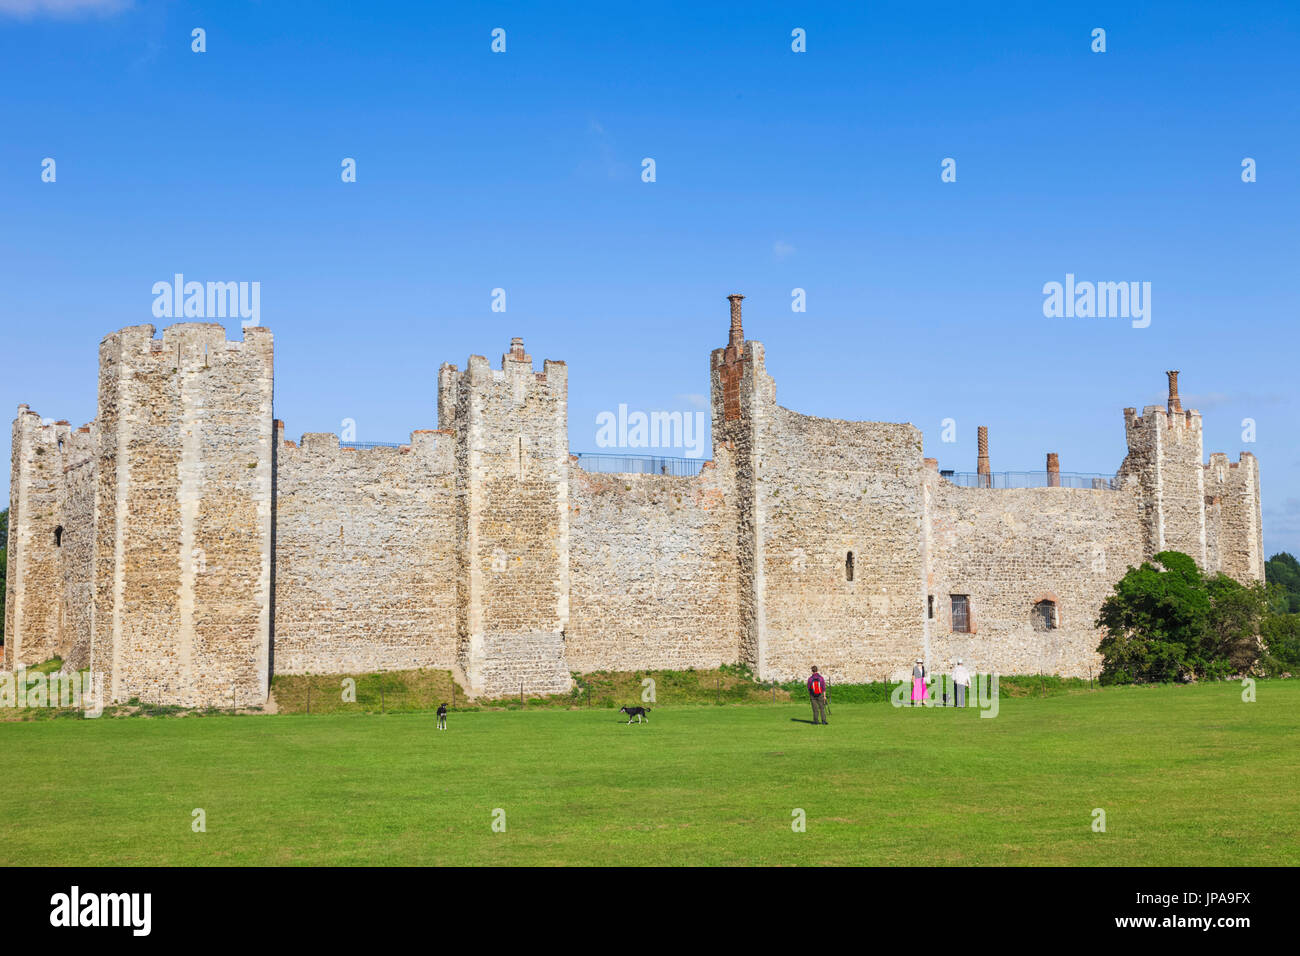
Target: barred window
[1044, 616]
[960, 613]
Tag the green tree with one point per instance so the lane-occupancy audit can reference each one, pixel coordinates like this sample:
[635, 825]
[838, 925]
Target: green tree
[1283, 571]
[1168, 621]
[1281, 636]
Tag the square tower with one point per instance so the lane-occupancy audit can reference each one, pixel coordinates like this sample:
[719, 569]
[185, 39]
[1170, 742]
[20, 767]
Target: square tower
[512, 474]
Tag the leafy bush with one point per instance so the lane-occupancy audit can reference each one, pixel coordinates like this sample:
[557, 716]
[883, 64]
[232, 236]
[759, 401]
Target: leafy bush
[1167, 621]
[1282, 571]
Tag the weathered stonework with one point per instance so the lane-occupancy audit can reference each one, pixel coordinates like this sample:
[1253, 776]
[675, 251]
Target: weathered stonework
[365, 555]
[181, 546]
[653, 570]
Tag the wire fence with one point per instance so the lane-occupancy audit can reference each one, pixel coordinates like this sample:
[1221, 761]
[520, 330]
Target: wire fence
[1031, 479]
[640, 464]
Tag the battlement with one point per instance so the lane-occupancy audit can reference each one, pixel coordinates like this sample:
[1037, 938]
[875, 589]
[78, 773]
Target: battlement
[186, 340]
[182, 547]
[434, 446]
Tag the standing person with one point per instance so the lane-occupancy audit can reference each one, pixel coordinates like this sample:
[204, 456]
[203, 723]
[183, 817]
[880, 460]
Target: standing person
[442, 716]
[961, 680]
[918, 682]
[817, 692]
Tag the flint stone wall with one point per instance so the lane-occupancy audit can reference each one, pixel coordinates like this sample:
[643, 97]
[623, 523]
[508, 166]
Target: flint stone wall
[365, 548]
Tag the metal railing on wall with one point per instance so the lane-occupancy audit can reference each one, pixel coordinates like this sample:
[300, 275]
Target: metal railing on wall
[363, 445]
[640, 464]
[1031, 479]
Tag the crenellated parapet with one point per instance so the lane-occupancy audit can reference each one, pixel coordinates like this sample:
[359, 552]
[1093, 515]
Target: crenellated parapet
[184, 548]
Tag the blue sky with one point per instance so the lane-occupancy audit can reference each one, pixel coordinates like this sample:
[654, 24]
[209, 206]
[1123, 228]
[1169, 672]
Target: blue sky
[775, 170]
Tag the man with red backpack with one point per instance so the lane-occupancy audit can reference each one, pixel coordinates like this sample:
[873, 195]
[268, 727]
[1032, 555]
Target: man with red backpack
[818, 690]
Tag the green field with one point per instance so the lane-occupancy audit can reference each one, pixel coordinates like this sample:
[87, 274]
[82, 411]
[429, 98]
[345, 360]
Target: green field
[1186, 776]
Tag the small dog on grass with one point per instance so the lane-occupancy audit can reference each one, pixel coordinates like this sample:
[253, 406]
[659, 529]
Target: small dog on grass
[442, 716]
[636, 713]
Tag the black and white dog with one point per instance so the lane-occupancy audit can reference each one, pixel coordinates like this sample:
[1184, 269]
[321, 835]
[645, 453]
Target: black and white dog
[442, 716]
[636, 712]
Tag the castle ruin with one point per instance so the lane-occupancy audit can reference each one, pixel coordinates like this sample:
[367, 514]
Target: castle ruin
[182, 547]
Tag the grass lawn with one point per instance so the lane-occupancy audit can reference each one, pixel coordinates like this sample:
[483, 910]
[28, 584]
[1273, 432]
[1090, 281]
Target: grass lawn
[1186, 776]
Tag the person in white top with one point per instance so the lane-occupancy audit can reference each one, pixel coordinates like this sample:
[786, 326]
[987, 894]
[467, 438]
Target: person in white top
[961, 680]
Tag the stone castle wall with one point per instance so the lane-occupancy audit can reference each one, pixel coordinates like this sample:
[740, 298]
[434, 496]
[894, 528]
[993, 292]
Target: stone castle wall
[1008, 549]
[840, 507]
[183, 548]
[77, 518]
[652, 571]
[365, 556]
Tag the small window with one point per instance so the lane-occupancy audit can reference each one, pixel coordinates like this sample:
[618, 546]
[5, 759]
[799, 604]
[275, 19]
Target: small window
[960, 613]
[848, 567]
[1044, 616]
[58, 536]
[929, 610]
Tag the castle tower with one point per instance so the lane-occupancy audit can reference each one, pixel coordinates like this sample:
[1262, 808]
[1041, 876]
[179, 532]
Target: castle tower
[512, 470]
[182, 552]
[33, 605]
[1165, 456]
[1234, 530]
[743, 395]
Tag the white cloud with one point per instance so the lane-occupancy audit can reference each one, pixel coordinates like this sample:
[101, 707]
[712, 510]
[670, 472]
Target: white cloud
[782, 249]
[699, 401]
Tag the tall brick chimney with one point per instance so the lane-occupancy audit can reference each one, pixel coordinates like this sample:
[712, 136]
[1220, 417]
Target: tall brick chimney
[1175, 405]
[1053, 470]
[737, 333]
[985, 476]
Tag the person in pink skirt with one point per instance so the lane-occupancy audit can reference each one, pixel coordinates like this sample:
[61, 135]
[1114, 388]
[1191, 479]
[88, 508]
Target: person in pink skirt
[918, 682]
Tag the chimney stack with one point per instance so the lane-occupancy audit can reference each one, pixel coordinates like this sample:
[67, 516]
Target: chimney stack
[737, 333]
[1053, 470]
[1175, 405]
[985, 476]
